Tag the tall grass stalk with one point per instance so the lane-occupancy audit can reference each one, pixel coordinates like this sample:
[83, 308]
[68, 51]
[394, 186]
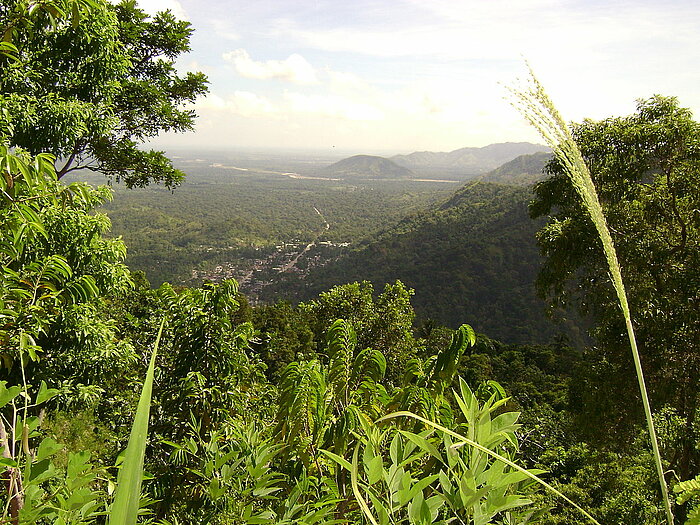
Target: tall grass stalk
[537, 108]
[127, 497]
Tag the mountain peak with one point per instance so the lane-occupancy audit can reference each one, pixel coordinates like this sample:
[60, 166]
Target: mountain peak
[367, 167]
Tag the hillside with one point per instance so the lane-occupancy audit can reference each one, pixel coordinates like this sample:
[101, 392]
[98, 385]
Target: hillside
[472, 259]
[474, 161]
[227, 217]
[366, 167]
[521, 171]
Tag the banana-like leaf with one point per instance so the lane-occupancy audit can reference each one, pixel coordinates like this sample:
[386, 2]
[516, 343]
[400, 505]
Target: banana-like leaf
[128, 493]
[463, 440]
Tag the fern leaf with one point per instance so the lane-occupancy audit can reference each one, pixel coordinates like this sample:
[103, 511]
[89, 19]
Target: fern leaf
[341, 342]
[687, 489]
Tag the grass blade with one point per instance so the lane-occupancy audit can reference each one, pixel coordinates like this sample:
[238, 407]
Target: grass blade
[128, 493]
[356, 486]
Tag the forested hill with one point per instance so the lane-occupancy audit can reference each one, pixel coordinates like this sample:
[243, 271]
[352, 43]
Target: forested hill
[472, 160]
[472, 259]
[366, 167]
[521, 171]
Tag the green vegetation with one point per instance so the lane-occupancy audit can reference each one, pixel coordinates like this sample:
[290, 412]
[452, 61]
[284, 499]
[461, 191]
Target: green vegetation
[523, 170]
[471, 256]
[367, 167]
[651, 200]
[665, 159]
[343, 409]
[217, 216]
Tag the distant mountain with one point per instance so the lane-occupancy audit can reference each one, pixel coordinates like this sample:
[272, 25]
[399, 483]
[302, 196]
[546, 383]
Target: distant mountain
[472, 259]
[366, 167]
[474, 161]
[521, 171]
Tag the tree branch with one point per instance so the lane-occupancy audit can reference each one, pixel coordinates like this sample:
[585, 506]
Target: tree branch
[79, 167]
[66, 167]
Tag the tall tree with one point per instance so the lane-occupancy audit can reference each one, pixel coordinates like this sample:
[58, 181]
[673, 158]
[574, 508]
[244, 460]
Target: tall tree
[645, 167]
[92, 92]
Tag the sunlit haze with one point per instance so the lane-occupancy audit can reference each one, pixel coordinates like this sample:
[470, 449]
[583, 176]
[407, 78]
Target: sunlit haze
[402, 75]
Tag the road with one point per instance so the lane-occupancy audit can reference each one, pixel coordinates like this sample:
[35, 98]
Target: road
[291, 264]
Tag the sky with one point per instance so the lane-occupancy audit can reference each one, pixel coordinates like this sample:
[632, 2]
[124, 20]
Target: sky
[395, 76]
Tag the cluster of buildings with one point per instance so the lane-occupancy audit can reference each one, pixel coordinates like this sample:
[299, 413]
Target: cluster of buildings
[253, 275]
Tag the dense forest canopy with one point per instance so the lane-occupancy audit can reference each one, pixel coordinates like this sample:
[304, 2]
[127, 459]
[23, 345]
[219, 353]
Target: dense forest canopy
[339, 409]
[471, 256]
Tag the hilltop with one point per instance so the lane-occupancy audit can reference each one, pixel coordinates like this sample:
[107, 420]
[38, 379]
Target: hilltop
[366, 167]
[521, 171]
[472, 161]
[466, 163]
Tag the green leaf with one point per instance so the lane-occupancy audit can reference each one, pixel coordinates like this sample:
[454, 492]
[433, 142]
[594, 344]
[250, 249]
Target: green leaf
[128, 494]
[395, 452]
[41, 471]
[7, 462]
[47, 448]
[463, 440]
[434, 504]
[45, 393]
[374, 469]
[693, 517]
[380, 508]
[420, 485]
[424, 444]
[75, 15]
[8, 394]
[418, 510]
[356, 487]
[77, 463]
[340, 461]
[687, 489]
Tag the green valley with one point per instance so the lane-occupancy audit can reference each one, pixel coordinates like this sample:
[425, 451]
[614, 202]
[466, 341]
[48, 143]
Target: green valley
[496, 335]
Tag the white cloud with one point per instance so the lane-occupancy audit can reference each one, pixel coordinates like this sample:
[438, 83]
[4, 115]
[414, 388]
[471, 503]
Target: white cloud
[425, 74]
[294, 69]
[241, 103]
[559, 30]
[345, 96]
[332, 106]
[346, 82]
[223, 29]
[193, 65]
[155, 6]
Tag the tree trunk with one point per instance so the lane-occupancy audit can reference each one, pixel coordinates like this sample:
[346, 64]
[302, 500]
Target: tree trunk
[12, 479]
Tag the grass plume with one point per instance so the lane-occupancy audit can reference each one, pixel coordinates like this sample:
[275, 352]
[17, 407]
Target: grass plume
[537, 108]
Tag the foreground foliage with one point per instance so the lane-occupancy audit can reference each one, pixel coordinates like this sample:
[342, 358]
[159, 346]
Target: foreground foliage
[670, 151]
[649, 190]
[227, 445]
[334, 411]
